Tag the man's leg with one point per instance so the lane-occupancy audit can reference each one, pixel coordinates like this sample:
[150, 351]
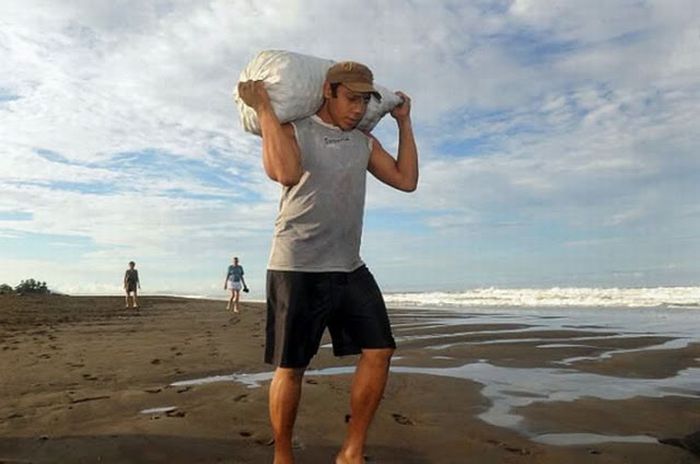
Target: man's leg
[367, 390]
[126, 300]
[235, 303]
[230, 300]
[136, 304]
[285, 392]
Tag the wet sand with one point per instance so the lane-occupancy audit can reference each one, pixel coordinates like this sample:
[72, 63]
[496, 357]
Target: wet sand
[78, 372]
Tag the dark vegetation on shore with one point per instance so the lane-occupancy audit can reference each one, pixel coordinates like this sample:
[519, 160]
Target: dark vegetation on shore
[26, 287]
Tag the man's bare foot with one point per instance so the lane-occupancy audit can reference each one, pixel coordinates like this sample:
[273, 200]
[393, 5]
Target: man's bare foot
[283, 457]
[344, 458]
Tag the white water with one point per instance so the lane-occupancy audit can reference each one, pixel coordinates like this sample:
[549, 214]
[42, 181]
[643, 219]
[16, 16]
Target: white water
[553, 297]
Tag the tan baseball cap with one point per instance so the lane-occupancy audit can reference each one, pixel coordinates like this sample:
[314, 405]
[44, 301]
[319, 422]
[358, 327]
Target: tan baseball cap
[355, 76]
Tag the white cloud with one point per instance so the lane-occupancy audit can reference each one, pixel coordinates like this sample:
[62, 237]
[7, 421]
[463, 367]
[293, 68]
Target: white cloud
[574, 112]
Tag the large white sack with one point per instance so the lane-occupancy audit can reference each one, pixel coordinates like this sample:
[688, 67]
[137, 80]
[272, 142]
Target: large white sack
[295, 85]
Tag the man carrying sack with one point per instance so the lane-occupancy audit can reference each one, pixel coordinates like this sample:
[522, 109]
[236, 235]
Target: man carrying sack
[315, 276]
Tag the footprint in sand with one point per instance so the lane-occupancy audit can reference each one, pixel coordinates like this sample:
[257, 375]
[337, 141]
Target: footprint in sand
[155, 361]
[403, 420]
[245, 434]
[240, 397]
[153, 390]
[88, 398]
[510, 449]
[44, 356]
[296, 443]
[263, 442]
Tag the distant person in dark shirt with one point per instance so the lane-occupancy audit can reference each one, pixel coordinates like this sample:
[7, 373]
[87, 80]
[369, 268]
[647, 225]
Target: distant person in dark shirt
[235, 282]
[131, 284]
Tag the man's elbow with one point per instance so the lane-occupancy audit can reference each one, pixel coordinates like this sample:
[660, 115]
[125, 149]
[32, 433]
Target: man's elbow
[409, 185]
[408, 188]
[289, 180]
[285, 179]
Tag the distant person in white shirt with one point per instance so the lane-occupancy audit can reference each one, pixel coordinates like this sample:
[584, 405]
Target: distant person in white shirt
[131, 285]
[235, 282]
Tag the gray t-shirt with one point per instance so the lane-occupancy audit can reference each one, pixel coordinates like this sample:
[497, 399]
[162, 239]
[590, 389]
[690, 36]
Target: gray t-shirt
[319, 225]
[235, 272]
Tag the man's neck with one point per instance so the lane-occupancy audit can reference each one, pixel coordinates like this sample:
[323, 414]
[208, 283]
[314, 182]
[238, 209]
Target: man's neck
[325, 116]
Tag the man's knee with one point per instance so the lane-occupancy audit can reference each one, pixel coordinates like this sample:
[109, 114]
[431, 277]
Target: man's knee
[378, 356]
[289, 374]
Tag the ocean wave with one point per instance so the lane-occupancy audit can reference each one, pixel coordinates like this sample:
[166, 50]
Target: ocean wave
[676, 297]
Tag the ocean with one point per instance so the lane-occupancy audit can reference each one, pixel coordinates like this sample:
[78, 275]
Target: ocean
[661, 297]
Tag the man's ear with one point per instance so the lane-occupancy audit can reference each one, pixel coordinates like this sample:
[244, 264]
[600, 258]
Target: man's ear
[327, 90]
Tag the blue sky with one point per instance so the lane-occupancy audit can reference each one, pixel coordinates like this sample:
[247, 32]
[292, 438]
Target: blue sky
[558, 141]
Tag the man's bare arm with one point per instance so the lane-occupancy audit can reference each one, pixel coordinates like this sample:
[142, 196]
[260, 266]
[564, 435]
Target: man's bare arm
[402, 172]
[281, 154]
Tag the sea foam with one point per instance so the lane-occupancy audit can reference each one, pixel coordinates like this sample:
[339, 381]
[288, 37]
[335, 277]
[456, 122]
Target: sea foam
[553, 297]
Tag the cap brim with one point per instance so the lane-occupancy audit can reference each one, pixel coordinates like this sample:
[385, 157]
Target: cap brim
[363, 87]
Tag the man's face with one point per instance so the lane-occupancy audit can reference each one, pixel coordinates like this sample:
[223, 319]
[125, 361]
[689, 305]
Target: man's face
[348, 107]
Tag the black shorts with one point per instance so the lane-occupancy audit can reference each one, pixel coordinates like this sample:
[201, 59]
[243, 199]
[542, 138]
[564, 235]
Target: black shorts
[300, 305]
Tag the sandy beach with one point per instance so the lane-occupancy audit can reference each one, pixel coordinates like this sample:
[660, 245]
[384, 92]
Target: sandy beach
[182, 381]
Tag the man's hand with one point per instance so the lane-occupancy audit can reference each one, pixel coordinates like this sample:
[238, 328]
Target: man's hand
[402, 111]
[254, 94]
